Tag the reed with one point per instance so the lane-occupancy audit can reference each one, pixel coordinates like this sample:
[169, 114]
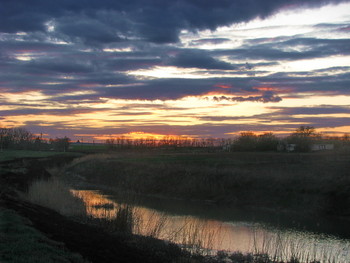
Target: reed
[55, 194]
[297, 250]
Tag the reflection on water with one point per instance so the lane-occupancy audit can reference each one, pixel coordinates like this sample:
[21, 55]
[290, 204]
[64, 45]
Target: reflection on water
[212, 235]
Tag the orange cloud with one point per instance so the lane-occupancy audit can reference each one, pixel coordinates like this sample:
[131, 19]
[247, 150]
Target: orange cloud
[266, 88]
[213, 93]
[223, 86]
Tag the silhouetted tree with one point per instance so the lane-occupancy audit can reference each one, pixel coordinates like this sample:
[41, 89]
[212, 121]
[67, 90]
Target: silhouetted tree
[2, 138]
[305, 131]
[16, 138]
[60, 144]
[267, 142]
[346, 137]
[110, 144]
[303, 137]
[247, 141]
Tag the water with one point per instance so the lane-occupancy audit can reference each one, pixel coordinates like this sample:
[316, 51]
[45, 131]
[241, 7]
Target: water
[209, 228]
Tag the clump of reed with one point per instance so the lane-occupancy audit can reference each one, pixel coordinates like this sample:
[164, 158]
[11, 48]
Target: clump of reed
[151, 225]
[195, 236]
[274, 248]
[55, 194]
[119, 220]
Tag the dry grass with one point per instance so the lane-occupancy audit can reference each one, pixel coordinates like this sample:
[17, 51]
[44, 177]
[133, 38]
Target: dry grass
[312, 182]
[54, 194]
[194, 237]
[297, 249]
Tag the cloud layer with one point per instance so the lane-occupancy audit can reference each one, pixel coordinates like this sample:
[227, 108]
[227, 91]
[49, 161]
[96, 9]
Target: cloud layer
[92, 60]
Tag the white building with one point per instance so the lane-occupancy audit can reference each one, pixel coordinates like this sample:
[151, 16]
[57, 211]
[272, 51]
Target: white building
[322, 146]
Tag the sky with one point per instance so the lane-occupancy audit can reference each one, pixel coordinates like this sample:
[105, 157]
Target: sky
[92, 70]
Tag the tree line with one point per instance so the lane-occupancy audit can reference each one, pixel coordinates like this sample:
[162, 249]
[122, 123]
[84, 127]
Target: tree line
[302, 139]
[166, 142]
[22, 139]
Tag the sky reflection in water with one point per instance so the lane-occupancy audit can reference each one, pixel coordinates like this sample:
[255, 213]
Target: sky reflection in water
[216, 235]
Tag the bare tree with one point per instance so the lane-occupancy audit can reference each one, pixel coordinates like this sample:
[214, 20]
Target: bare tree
[305, 131]
[61, 144]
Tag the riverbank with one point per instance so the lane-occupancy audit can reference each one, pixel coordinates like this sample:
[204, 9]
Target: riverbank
[304, 183]
[61, 236]
[92, 243]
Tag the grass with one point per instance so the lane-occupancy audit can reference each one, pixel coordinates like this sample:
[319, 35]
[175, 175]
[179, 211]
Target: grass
[88, 148]
[21, 243]
[316, 182]
[297, 181]
[127, 220]
[7, 155]
[54, 194]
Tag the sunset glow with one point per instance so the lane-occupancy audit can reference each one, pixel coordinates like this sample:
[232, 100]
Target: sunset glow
[105, 75]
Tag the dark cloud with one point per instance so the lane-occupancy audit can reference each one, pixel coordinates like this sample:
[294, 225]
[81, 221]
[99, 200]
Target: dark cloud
[66, 66]
[89, 31]
[241, 87]
[212, 41]
[198, 59]
[290, 49]
[267, 96]
[66, 111]
[154, 20]
[124, 64]
[326, 84]
[285, 115]
[162, 89]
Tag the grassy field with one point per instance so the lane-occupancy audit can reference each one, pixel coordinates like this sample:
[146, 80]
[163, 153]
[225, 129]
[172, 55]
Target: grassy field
[21, 243]
[310, 181]
[87, 147]
[7, 155]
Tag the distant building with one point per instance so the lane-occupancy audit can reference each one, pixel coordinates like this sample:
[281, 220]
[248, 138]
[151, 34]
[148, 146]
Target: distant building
[290, 147]
[286, 147]
[227, 147]
[322, 146]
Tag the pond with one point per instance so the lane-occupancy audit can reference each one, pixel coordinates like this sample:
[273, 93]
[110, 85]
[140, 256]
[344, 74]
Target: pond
[207, 228]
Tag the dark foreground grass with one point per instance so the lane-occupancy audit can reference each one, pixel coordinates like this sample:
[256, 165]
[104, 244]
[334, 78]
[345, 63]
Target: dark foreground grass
[19, 242]
[6, 155]
[87, 148]
[313, 182]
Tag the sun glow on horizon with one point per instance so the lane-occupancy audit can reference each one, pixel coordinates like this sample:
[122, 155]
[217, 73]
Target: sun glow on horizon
[135, 135]
[186, 112]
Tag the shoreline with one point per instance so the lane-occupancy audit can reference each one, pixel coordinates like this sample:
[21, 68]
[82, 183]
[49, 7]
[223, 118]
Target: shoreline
[60, 228]
[91, 242]
[268, 216]
[305, 187]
